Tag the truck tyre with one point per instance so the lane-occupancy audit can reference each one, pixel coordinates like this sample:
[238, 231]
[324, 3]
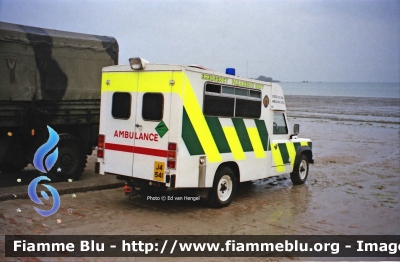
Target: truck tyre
[71, 159]
[224, 187]
[300, 170]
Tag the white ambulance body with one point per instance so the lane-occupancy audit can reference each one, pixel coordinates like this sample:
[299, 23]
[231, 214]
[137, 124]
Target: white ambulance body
[187, 127]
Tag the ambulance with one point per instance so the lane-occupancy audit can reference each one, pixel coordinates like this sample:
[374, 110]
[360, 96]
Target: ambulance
[170, 126]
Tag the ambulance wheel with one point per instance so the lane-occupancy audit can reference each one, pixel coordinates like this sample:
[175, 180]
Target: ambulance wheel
[71, 159]
[300, 170]
[224, 187]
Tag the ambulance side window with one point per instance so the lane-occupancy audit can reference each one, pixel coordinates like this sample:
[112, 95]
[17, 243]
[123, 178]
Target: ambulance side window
[219, 106]
[121, 105]
[231, 101]
[248, 108]
[280, 126]
[153, 106]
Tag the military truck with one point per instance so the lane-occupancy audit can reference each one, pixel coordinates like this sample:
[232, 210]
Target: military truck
[50, 78]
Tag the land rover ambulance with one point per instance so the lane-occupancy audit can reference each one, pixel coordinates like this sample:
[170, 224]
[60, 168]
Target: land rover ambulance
[170, 126]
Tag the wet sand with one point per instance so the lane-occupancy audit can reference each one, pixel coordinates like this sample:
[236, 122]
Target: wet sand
[353, 188]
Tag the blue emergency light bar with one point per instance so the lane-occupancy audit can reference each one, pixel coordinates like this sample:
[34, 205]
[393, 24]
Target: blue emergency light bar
[230, 71]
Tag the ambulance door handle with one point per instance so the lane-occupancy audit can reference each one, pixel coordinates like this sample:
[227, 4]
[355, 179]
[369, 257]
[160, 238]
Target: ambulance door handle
[137, 125]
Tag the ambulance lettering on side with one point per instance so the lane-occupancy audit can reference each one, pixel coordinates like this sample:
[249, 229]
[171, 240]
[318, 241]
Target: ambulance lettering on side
[136, 135]
[176, 126]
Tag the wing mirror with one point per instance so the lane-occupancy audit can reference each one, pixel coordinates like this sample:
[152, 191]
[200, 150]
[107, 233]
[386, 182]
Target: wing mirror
[296, 129]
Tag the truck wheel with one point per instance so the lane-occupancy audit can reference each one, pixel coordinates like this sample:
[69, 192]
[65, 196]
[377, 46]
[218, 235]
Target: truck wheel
[300, 171]
[71, 159]
[224, 187]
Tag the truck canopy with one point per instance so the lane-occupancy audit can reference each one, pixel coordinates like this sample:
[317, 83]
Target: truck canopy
[44, 64]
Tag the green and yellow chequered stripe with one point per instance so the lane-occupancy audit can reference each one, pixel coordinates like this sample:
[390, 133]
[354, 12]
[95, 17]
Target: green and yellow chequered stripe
[236, 138]
[285, 153]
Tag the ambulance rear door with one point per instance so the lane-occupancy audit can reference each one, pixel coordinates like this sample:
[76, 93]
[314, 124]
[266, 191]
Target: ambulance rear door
[153, 108]
[118, 112]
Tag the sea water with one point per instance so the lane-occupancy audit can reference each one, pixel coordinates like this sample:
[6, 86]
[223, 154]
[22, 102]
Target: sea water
[348, 89]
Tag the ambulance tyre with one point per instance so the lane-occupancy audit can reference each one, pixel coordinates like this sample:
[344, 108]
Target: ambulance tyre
[224, 187]
[300, 170]
[71, 159]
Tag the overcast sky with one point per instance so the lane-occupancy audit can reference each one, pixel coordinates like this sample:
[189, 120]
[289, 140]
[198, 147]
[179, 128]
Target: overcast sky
[328, 41]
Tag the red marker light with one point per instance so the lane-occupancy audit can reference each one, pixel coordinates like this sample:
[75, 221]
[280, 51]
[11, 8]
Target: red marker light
[172, 146]
[171, 157]
[100, 146]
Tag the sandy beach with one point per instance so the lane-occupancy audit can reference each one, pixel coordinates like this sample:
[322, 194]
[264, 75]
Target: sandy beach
[355, 181]
[353, 188]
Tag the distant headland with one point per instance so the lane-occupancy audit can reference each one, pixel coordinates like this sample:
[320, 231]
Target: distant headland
[266, 79]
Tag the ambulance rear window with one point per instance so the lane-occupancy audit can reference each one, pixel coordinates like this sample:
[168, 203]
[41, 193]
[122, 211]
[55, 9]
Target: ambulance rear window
[121, 105]
[153, 106]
